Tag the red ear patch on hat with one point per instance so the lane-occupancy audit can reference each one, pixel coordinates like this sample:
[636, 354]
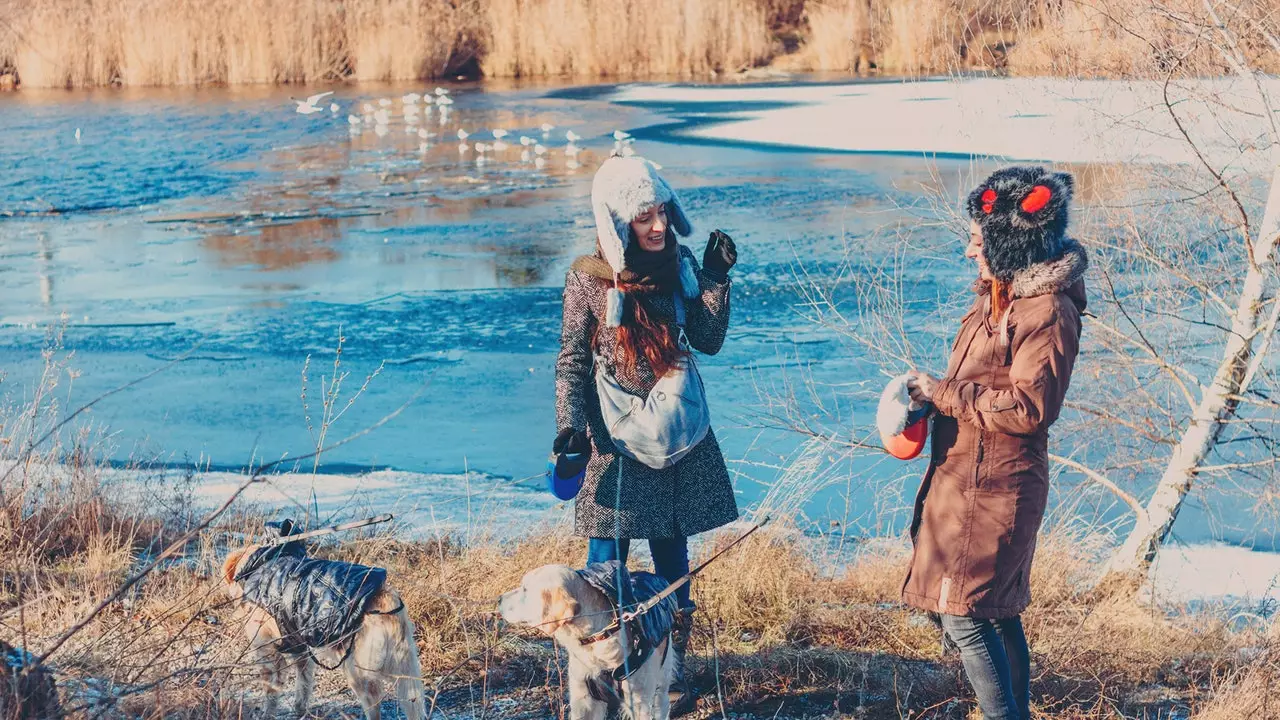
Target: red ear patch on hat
[988, 201]
[1036, 199]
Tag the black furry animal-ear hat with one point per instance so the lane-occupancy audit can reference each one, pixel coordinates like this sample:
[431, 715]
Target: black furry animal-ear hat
[1023, 213]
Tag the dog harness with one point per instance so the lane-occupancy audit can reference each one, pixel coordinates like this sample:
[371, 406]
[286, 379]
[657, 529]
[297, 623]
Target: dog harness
[644, 631]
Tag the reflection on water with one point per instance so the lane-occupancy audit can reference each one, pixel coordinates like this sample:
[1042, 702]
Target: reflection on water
[222, 189]
[278, 247]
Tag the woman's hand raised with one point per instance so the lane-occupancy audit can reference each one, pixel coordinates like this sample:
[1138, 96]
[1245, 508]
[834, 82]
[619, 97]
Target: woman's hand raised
[721, 254]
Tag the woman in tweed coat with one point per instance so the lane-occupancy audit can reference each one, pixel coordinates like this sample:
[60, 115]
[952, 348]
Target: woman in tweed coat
[634, 333]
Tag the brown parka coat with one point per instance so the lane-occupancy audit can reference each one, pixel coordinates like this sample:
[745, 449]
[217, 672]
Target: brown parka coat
[982, 500]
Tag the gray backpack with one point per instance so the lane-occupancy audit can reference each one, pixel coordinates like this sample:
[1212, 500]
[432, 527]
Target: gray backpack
[662, 428]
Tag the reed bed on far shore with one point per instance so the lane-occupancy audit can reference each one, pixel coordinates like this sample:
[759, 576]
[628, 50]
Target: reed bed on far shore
[88, 43]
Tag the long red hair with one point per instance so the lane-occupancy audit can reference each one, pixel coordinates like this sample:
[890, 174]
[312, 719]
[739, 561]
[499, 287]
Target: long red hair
[639, 335]
[1001, 298]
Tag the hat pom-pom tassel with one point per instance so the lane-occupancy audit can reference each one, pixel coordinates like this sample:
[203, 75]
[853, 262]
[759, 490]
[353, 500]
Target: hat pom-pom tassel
[614, 300]
[689, 279]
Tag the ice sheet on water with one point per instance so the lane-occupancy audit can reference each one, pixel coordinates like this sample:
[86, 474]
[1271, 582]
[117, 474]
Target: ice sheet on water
[1097, 121]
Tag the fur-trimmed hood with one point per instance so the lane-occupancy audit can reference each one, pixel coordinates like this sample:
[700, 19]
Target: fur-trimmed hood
[1060, 274]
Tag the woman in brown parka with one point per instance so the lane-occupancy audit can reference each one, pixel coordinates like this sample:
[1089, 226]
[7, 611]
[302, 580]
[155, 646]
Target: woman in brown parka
[983, 498]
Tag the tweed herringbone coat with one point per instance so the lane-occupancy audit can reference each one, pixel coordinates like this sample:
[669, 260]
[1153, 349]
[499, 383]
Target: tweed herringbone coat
[692, 496]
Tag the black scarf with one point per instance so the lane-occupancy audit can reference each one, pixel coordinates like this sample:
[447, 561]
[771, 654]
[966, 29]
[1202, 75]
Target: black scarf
[642, 271]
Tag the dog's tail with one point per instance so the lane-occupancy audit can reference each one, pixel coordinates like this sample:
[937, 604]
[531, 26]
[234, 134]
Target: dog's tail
[402, 660]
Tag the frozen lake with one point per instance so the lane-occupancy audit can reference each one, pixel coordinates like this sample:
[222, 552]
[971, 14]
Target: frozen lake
[222, 225]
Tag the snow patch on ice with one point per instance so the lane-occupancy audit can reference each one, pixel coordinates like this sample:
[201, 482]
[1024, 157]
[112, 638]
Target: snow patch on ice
[1086, 121]
[1216, 573]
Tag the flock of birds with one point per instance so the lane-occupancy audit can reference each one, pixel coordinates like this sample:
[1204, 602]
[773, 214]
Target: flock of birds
[417, 111]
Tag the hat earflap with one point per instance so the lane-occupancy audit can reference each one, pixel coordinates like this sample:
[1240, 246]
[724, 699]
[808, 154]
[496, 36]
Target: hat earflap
[675, 211]
[612, 233]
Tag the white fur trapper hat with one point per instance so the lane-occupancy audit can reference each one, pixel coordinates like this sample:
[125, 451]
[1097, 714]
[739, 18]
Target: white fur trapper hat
[623, 188]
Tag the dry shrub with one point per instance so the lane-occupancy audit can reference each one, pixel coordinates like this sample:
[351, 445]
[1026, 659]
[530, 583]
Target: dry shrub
[1250, 692]
[408, 39]
[838, 38]
[1137, 38]
[83, 43]
[910, 37]
[623, 37]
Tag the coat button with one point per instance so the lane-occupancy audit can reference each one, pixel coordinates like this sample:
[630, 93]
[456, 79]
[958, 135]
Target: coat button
[660, 395]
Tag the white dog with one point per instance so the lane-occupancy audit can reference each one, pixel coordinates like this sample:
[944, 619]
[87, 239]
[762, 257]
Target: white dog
[627, 667]
[382, 649]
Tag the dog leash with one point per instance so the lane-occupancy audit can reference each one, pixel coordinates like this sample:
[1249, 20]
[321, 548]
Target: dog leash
[353, 525]
[623, 618]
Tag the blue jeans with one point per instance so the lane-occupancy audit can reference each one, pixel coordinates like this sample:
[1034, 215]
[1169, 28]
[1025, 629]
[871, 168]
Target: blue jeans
[997, 661]
[670, 559]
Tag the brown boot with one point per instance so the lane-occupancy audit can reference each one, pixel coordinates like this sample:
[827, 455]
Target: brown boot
[684, 699]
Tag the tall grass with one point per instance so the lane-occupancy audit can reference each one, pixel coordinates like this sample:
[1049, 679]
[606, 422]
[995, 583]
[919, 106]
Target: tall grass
[624, 37]
[78, 43]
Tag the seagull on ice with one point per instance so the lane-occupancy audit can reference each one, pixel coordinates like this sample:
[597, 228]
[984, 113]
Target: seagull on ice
[334, 108]
[308, 106]
[572, 137]
[384, 102]
[619, 136]
[526, 141]
[367, 109]
[382, 117]
[539, 149]
[352, 120]
[547, 128]
[444, 100]
[463, 134]
[411, 99]
[441, 92]
[499, 134]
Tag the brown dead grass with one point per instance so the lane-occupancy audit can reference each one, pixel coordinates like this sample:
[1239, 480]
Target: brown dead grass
[629, 38]
[82, 43]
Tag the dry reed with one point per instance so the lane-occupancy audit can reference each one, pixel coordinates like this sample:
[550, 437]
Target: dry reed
[624, 37]
[81, 43]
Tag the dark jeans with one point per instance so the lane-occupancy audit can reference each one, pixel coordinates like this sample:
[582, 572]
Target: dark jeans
[670, 559]
[996, 659]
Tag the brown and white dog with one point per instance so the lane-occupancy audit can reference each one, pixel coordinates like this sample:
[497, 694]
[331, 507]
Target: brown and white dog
[384, 651]
[559, 601]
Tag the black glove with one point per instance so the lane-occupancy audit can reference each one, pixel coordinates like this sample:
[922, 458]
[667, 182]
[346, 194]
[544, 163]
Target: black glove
[569, 440]
[721, 255]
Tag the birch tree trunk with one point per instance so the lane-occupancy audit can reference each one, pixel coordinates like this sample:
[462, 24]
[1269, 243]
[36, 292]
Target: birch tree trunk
[1218, 402]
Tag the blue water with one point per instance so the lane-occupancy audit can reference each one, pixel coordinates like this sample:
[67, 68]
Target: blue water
[221, 227]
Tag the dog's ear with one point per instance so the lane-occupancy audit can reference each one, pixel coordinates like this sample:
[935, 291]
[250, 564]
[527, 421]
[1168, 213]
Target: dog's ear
[558, 609]
[231, 563]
